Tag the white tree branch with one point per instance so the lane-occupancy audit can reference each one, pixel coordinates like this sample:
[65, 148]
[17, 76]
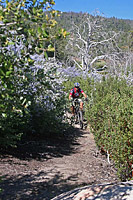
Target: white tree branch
[102, 42]
[77, 64]
[98, 58]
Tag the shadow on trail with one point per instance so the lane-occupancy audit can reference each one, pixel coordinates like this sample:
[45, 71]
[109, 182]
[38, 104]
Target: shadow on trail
[40, 187]
[46, 148]
[36, 186]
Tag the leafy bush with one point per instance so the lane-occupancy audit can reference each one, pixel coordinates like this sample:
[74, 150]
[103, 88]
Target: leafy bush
[30, 89]
[99, 64]
[13, 104]
[110, 117]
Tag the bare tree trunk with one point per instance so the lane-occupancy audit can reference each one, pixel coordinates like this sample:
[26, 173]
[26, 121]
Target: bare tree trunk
[90, 41]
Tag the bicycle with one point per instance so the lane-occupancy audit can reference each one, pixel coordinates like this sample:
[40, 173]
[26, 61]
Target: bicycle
[78, 113]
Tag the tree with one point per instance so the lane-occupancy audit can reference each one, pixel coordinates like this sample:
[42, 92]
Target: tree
[27, 78]
[91, 41]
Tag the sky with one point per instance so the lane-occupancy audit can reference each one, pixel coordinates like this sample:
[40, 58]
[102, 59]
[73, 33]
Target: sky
[121, 9]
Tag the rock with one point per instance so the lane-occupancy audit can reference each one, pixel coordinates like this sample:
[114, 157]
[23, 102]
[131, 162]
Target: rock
[111, 191]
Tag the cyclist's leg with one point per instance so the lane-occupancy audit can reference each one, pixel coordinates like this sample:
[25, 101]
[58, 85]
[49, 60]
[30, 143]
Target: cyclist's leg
[72, 108]
[81, 104]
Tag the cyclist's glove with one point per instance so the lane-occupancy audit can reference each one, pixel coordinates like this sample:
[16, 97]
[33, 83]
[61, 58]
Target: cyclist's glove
[71, 100]
[86, 99]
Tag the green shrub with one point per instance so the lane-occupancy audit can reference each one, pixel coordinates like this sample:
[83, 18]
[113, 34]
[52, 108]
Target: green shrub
[111, 120]
[99, 64]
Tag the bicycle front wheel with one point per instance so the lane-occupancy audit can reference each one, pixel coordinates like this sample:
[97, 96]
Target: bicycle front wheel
[80, 118]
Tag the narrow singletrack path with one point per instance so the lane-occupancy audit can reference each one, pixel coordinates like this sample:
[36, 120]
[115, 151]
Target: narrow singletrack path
[44, 169]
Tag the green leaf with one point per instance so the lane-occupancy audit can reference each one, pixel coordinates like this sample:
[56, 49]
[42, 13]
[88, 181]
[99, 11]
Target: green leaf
[8, 73]
[51, 48]
[4, 115]
[45, 34]
[24, 101]
[34, 11]
[46, 55]
[39, 30]
[2, 72]
[37, 49]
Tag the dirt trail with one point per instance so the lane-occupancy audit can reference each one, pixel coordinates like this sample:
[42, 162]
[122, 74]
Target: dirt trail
[44, 169]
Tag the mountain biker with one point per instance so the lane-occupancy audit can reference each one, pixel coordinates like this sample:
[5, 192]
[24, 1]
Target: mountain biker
[76, 92]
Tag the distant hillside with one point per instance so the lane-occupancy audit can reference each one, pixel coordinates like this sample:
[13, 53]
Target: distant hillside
[130, 22]
[66, 19]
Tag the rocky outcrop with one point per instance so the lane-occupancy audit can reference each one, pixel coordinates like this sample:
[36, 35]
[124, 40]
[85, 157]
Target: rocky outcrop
[111, 191]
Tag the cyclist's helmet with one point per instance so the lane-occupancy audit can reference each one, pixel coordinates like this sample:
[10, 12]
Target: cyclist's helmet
[77, 85]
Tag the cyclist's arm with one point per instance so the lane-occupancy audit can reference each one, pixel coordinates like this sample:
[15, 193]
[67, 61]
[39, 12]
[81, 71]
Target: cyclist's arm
[70, 96]
[84, 95]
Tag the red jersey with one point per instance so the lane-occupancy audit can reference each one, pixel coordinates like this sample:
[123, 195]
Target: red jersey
[76, 93]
